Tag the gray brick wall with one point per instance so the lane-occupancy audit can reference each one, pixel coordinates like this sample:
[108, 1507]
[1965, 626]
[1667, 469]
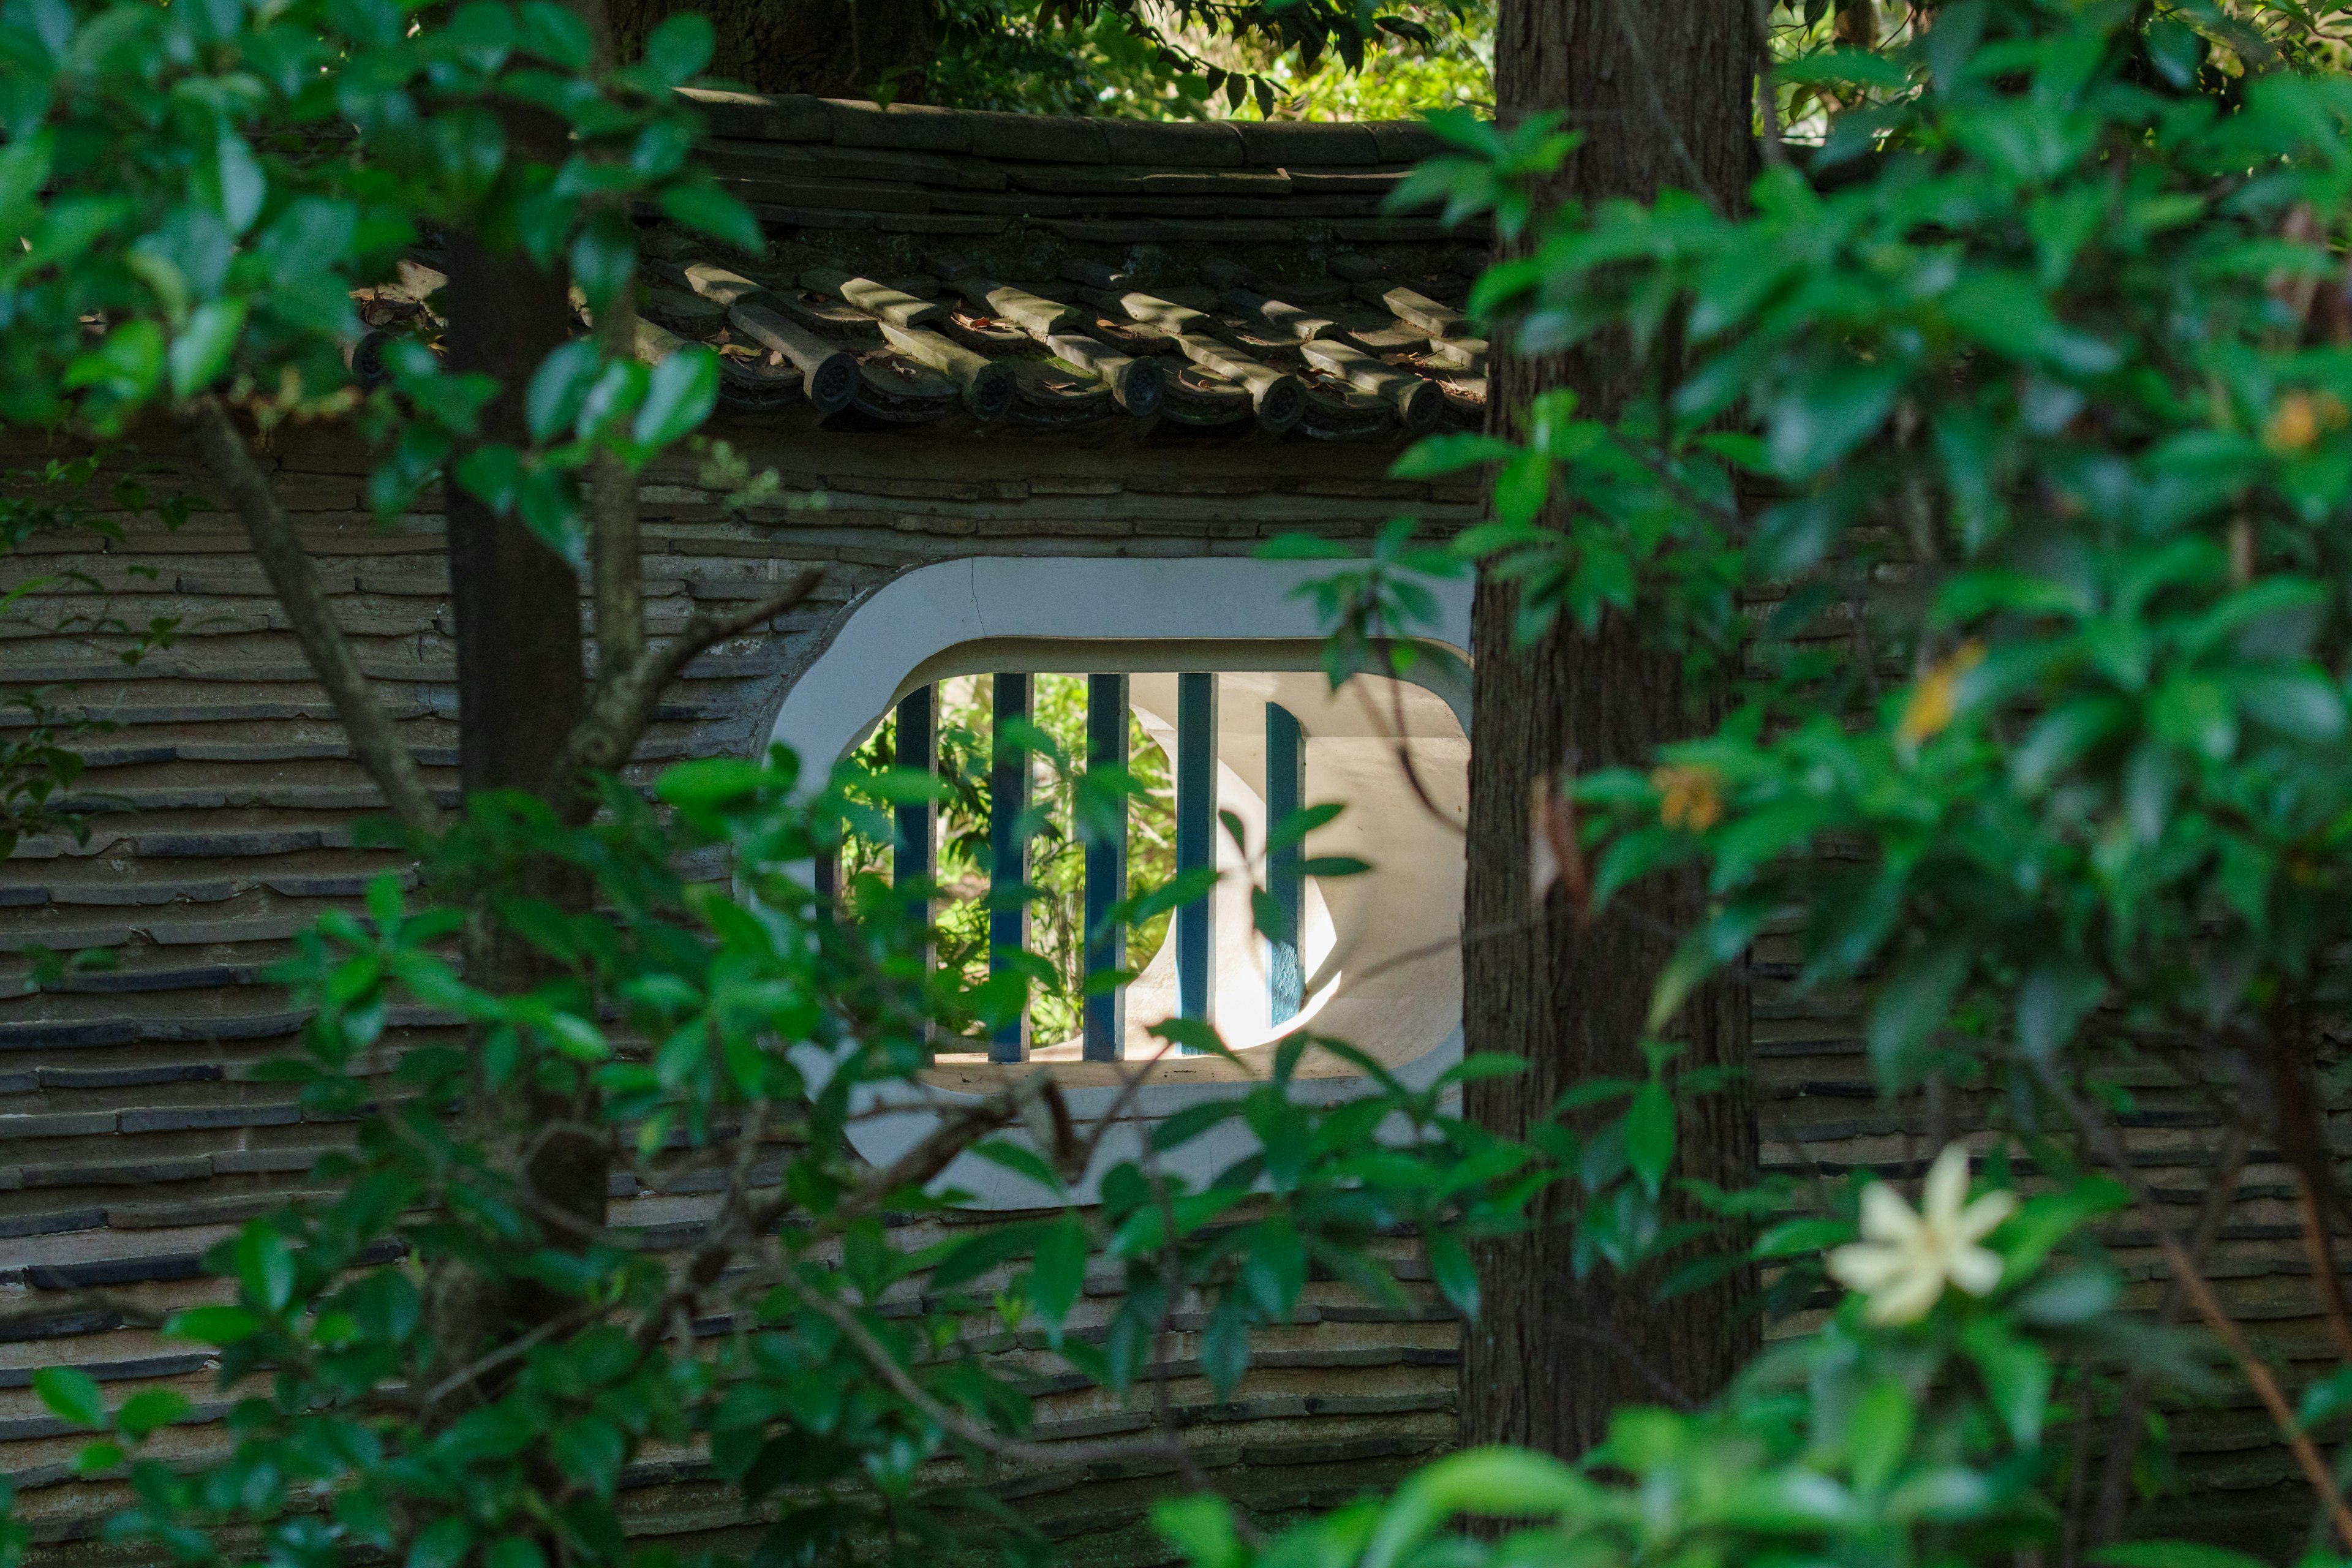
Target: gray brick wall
[131, 1139]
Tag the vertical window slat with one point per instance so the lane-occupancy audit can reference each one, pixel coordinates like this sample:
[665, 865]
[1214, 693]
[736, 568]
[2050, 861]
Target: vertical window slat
[1196, 842]
[1106, 1011]
[1285, 793]
[910, 855]
[1008, 798]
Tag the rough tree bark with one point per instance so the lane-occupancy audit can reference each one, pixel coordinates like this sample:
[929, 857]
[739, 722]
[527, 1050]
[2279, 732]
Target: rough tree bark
[521, 681]
[835, 48]
[521, 690]
[1661, 91]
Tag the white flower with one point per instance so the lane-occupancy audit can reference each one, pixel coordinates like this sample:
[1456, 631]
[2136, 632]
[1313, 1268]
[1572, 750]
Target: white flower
[1904, 1258]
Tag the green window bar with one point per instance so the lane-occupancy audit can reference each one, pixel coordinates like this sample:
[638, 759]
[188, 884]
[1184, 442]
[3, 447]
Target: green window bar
[1196, 843]
[1106, 1011]
[910, 855]
[825, 880]
[1008, 861]
[1286, 792]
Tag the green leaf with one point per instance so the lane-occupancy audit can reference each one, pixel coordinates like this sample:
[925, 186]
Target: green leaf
[2330, 1395]
[212, 1325]
[150, 1409]
[2299, 704]
[1021, 1161]
[2045, 1219]
[680, 48]
[1815, 422]
[70, 1393]
[1202, 1529]
[1844, 67]
[712, 781]
[590, 1449]
[1912, 1003]
[97, 1457]
[1650, 1134]
[1450, 1267]
[557, 35]
[680, 396]
[492, 474]
[442, 1544]
[128, 363]
[2171, 1554]
[699, 204]
[265, 1267]
[1508, 1482]
[200, 349]
[1521, 488]
[2053, 1003]
[604, 255]
[1059, 1272]
[243, 185]
[1434, 455]
[558, 389]
[1878, 1434]
[2017, 1377]
[1796, 1237]
[1192, 1033]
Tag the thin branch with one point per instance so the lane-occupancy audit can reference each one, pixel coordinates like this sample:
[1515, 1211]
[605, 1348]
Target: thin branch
[877, 1355]
[1171, 1267]
[618, 567]
[626, 698]
[295, 581]
[501, 1355]
[2302, 1139]
[959, 1129]
[2131, 1410]
[2102, 1138]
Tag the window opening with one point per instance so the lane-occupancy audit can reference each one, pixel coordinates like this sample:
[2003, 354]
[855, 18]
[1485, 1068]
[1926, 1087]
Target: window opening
[967, 730]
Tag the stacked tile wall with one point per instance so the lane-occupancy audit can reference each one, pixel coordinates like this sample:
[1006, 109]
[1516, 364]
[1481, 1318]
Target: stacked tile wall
[131, 1137]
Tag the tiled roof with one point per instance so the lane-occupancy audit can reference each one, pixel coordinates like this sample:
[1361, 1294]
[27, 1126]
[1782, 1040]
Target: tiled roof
[931, 267]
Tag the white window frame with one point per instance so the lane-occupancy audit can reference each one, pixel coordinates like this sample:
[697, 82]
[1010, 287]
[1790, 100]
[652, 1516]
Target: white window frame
[1076, 614]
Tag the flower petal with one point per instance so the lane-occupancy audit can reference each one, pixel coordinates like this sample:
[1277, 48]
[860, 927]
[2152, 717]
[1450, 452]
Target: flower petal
[1947, 1187]
[1906, 1299]
[1981, 1217]
[1974, 1270]
[1885, 1217]
[1860, 1266]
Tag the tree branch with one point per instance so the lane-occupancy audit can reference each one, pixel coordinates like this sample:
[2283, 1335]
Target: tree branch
[2185, 1272]
[619, 568]
[295, 581]
[2131, 1409]
[877, 1355]
[957, 1130]
[625, 697]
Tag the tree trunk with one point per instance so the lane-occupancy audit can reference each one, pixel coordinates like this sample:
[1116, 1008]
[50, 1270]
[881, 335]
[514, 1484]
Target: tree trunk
[520, 681]
[521, 688]
[1660, 89]
[833, 48]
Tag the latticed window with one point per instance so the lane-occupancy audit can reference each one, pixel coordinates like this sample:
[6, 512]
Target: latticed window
[1215, 772]
[1207, 678]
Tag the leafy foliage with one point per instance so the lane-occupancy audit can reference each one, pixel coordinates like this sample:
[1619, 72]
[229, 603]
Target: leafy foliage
[1305, 59]
[208, 188]
[1988, 469]
[1857, 1443]
[38, 764]
[737, 1035]
[1071, 800]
